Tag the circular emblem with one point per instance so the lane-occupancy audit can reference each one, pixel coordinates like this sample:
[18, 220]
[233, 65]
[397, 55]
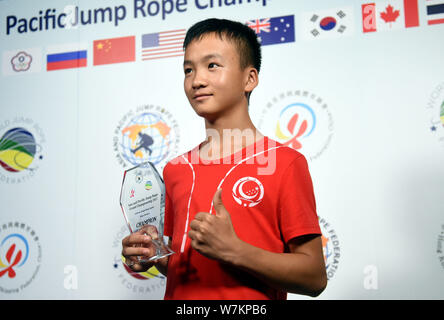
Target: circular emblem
[21, 61]
[300, 120]
[435, 108]
[248, 191]
[327, 23]
[149, 282]
[149, 134]
[20, 257]
[20, 149]
[331, 248]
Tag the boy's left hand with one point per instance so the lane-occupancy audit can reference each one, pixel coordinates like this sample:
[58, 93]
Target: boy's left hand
[213, 235]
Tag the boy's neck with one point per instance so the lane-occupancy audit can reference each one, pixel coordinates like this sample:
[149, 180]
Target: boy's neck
[228, 134]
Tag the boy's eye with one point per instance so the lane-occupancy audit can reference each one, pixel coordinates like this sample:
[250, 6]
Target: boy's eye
[187, 70]
[212, 65]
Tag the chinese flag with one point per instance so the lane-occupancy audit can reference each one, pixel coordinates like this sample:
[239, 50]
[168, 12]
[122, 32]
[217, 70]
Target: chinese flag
[114, 50]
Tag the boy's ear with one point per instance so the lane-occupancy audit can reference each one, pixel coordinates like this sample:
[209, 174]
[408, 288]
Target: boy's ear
[252, 79]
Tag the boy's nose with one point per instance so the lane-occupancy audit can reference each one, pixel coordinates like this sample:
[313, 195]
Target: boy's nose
[199, 81]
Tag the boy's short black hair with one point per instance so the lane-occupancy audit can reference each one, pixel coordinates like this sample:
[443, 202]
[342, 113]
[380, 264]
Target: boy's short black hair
[243, 36]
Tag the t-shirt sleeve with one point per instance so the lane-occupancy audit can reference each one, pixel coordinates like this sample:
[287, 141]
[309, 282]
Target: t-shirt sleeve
[169, 211]
[297, 205]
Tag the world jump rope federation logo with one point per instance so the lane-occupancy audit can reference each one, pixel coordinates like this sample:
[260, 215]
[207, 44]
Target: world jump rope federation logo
[300, 120]
[21, 141]
[150, 133]
[435, 109]
[248, 191]
[20, 256]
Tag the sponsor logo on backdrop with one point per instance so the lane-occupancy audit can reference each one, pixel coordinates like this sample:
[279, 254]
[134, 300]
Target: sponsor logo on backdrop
[330, 23]
[273, 30]
[20, 256]
[165, 44]
[21, 61]
[435, 109]
[148, 133]
[331, 247]
[21, 141]
[389, 15]
[299, 119]
[151, 281]
[435, 12]
[440, 246]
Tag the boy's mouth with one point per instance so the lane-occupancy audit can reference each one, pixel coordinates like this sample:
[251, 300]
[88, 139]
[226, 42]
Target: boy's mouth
[202, 96]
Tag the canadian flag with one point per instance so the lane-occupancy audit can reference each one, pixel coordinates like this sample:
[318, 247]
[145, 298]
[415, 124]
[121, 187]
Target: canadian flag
[388, 15]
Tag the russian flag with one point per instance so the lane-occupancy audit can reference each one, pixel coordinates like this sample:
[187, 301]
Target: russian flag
[66, 58]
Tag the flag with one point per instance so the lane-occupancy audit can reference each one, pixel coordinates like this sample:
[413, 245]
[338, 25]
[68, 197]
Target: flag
[21, 61]
[66, 56]
[435, 12]
[389, 15]
[273, 30]
[114, 50]
[330, 23]
[164, 44]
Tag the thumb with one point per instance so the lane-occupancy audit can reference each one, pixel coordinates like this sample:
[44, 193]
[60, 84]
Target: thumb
[218, 204]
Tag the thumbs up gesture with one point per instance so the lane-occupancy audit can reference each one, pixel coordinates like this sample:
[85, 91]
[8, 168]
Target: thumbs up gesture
[213, 235]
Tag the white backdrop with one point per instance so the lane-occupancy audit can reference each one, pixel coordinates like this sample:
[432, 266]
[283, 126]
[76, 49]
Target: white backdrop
[375, 152]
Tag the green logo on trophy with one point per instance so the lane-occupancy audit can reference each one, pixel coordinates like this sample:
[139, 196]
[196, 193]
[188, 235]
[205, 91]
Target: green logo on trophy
[142, 199]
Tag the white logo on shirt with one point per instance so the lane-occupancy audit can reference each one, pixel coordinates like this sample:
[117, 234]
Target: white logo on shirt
[248, 191]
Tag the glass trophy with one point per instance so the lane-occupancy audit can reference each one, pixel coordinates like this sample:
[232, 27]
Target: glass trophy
[142, 199]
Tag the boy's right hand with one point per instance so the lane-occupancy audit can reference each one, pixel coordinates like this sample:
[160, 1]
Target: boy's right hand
[138, 245]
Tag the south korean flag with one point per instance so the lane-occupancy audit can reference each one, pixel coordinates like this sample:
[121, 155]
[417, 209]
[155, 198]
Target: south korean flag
[331, 23]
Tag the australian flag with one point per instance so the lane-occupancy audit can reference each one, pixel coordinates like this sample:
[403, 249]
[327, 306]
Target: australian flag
[273, 30]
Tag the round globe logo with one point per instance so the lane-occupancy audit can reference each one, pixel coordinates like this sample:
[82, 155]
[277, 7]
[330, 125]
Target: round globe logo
[150, 134]
[146, 137]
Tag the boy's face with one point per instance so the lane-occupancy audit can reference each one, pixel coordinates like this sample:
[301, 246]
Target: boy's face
[214, 81]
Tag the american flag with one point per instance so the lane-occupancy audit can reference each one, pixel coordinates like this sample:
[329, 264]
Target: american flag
[164, 44]
[273, 30]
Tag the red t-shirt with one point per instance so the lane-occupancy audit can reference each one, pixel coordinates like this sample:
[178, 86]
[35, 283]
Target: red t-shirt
[266, 188]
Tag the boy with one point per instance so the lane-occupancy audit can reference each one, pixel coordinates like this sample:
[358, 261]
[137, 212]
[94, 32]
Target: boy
[237, 233]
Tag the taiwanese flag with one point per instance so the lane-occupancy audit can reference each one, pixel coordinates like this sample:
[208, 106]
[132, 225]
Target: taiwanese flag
[114, 50]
